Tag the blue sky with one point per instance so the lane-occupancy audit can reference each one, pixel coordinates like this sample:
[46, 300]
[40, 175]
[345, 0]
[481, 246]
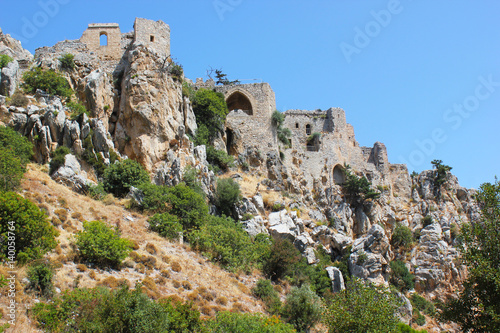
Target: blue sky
[421, 76]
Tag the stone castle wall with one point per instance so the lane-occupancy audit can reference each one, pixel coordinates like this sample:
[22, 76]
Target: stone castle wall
[155, 34]
[92, 38]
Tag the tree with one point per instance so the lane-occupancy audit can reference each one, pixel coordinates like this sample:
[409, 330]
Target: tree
[49, 81]
[34, 235]
[99, 244]
[477, 307]
[441, 173]
[119, 177]
[302, 308]
[67, 61]
[358, 188]
[362, 307]
[221, 77]
[227, 195]
[210, 110]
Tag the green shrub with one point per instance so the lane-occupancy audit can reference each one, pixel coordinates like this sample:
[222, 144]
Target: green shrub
[403, 328]
[187, 90]
[227, 194]
[264, 290]
[283, 134]
[190, 177]
[58, 158]
[11, 170]
[67, 61]
[402, 237]
[19, 144]
[401, 277]
[4, 60]
[119, 177]
[302, 308]
[225, 242]
[184, 317]
[357, 188]
[188, 205]
[210, 110]
[167, 225]
[40, 275]
[94, 158]
[362, 308]
[219, 158]
[97, 192]
[418, 318]
[176, 71]
[34, 235]
[76, 110]
[228, 322]
[420, 303]
[282, 259]
[427, 221]
[19, 99]
[441, 172]
[102, 310]
[100, 245]
[49, 81]
[277, 118]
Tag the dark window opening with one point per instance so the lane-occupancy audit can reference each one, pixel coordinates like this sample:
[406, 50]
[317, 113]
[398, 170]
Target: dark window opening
[238, 101]
[103, 39]
[151, 38]
[296, 125]
[229, 141]
[308, 129]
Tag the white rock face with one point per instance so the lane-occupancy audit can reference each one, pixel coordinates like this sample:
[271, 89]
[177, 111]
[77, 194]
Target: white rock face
[71, 175]
[336, 277]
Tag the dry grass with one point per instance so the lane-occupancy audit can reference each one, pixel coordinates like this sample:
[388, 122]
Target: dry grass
[171, 260]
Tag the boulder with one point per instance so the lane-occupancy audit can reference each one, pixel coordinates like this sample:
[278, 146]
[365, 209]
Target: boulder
[71, 175]
[9, 78]
[255, 226]
[336, 277]
[282, 231]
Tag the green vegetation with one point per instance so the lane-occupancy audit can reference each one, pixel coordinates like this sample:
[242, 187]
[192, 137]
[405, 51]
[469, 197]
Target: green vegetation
[165, 224]
[187, 90]
[358, 189]
[427, 221]
[441, 170]
[362, 308]
[67, 61]
[219, 158]
[264, 290]
[11, 170]
[402, 237]
[119, 177]
[4, 60]
[40, 275]
[302, 308]
[100, 245]
[34, 235]
[19, 144]
[58, 158]
[222, 78]
[227, 194]
[176, 71]
[420, 304]
[228, 322]
[19, 99]
[282, 260]
[76, 110]
[477, 307]
[283, 134]
[49, 81]
[210, 110]
[403, 328]
[401, 277]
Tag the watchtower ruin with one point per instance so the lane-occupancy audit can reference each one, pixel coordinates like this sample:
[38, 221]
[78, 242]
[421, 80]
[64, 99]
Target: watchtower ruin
[104, 39]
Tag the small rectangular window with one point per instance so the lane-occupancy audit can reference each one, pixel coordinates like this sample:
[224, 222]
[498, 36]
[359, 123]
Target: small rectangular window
[151, 38]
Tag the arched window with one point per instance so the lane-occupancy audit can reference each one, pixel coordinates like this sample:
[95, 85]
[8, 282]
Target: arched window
[103, 39]
[296, 125]
[238, 101]
[338, 175]
[308, 129]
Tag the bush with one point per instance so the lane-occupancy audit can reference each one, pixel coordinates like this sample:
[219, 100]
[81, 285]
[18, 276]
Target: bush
[421, 304]
[225, 242]
[34, 235]
[4, 60]
[97, 192]
[358, 188]
[94, 158]
[264, 290]
[19, 99]
[190, 178]
[100, 245]
[76, 109]
[427, 221]
[188, 205]
[302, 308]
[166, 225]
[219, 158]
[40, 275]
[58, 158]
[210, 110]
[102, 310]
[441, 172]
[119, 177]
[19, 144]
[402, 237]
[362, 308]
[11, 170]
[67, 61]
[49, 81]
[403, 328]
[283, 134]
[282, 259]
[401, 277]
[227, 194]
[176, 71]
[184, 317]
[228, 322]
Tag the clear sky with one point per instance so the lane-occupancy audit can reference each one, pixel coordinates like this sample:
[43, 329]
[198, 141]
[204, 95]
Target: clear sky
[421, 76]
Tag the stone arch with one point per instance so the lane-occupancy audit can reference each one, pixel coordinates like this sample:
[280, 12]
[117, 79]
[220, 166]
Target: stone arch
[338, 174]
[103, 38]
[238, 100]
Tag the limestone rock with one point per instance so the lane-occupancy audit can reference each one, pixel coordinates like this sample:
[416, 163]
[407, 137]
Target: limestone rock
[255, 226]
[310, 256]
[336, 277]
[9, 78]
[71, 175]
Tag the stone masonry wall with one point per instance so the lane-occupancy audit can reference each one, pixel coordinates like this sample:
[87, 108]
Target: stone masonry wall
[91, 37]
[155, 34]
